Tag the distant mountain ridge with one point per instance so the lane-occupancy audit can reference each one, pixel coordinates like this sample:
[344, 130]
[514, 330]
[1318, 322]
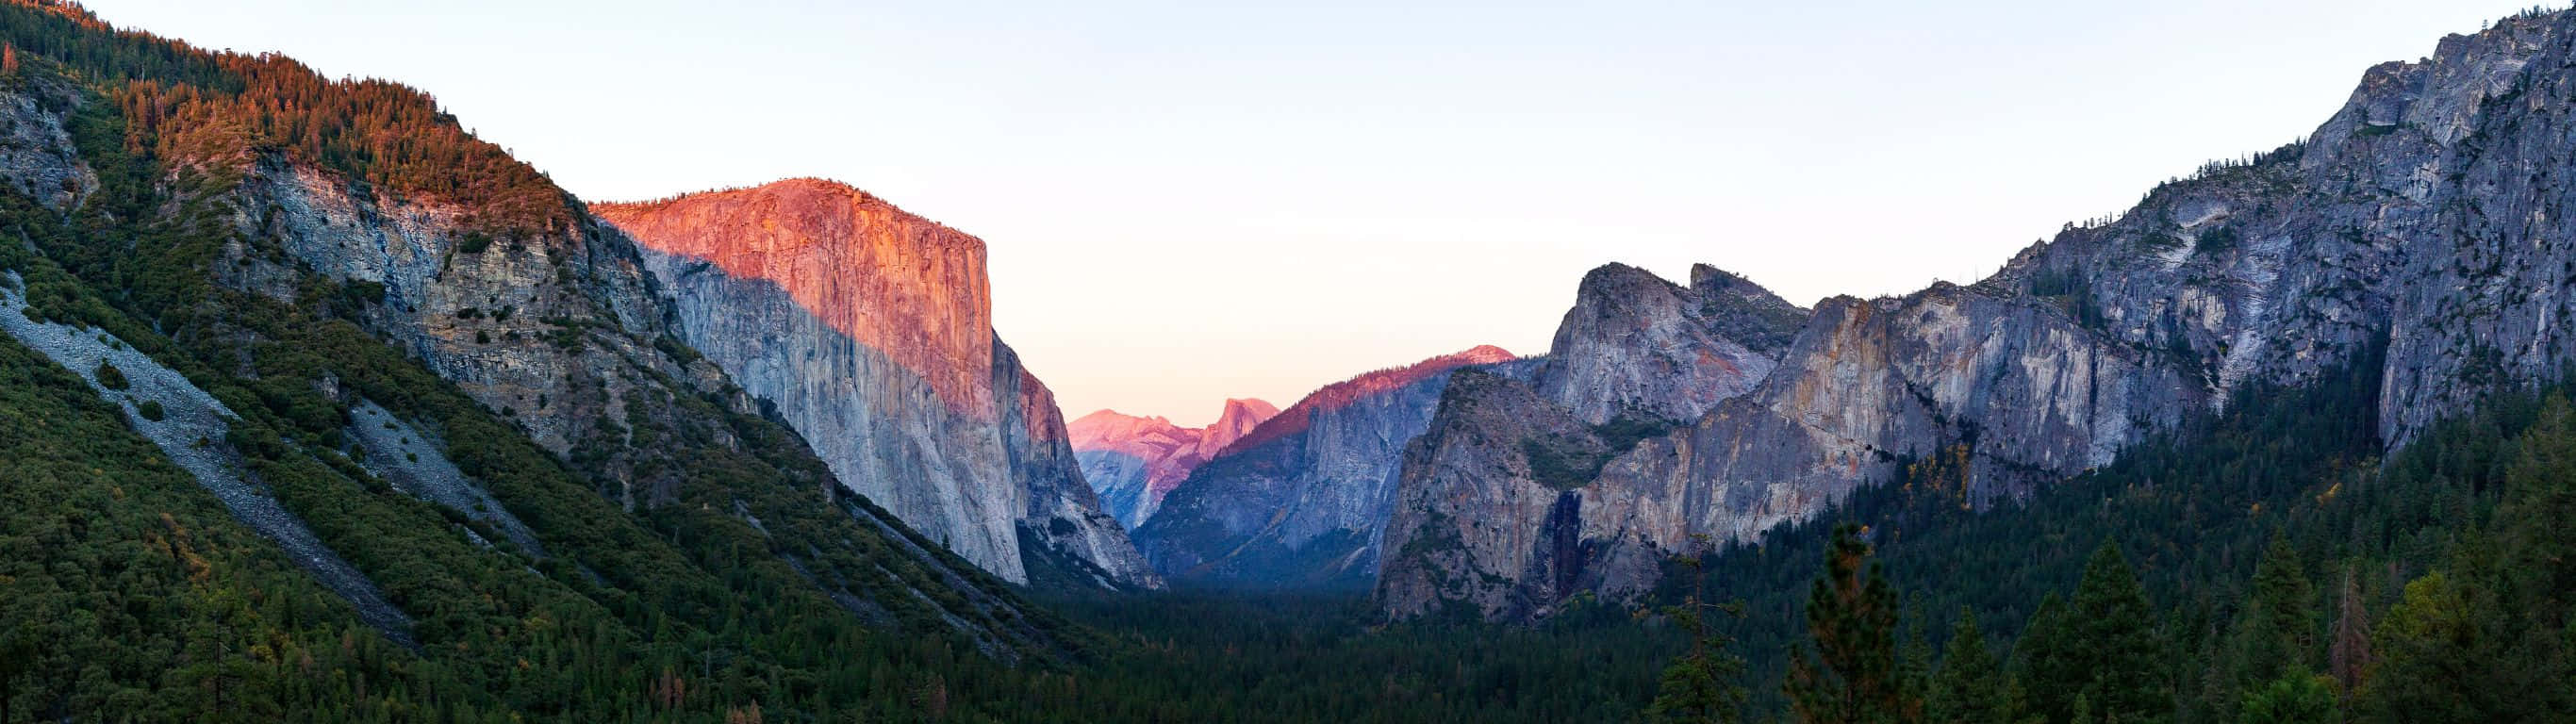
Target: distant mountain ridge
[1341, 394]
[1300, 500]
[1132, 462]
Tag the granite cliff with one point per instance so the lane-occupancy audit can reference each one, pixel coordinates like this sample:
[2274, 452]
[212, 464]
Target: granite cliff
[869, 330]
[568, 335]
[1300, 500]
[1497, 484]
[436, 390]
[2418, 229]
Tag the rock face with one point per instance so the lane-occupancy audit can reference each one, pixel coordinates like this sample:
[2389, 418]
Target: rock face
[1492, 496]
[2416, 230]
[869, 330]
[460, 319]
[1637, 347]
[36, 153]
[568, 335]
[1482, 457]
[557, 331]
[1132, 462]
[1302, 499]
[1487, 520]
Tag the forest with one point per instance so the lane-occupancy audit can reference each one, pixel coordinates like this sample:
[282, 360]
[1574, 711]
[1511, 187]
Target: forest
[2268, 565]
[2277, 563]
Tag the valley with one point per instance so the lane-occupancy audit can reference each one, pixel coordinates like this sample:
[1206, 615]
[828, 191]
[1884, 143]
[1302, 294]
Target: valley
[315, 406]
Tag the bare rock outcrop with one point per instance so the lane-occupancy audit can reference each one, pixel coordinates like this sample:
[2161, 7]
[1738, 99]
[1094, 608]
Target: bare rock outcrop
[869, 331]
[1302, 499]
[2418, 230]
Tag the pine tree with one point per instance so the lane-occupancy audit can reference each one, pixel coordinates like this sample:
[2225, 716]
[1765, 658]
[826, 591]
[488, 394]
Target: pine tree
[2430, 646]
[1701, 685]
[1914, 666]
[2531, 595]
[2116, 629]
[2272, 634]
[2052, 664]
[2349, 654]
[1848, 673]
[1969, 688]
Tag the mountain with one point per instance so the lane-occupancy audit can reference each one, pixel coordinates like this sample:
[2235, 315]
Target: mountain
[2412, 231]
[316, 407]
[1300, 500]
[869, 330]
[1132, 462]
[1635, 357]
[1636, 347]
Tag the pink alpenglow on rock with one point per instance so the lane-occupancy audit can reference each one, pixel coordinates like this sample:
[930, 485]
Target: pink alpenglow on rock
[1300, 500]
[1132, 462]
[870, 331]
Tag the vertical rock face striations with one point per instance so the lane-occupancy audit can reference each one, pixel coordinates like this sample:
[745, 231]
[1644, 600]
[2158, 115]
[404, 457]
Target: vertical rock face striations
[1301, 499]
[1492, 497]
[2417, 231]
[869, 330]
[1132, 462]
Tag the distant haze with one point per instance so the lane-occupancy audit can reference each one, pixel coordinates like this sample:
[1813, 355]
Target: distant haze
[1187, 203]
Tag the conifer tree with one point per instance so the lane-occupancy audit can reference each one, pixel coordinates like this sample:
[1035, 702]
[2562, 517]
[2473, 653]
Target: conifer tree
[1701, 685]
[2349, 653]
[2291, 699]
[2429, 642]
[2052, 671]
[1914, 665]
[2098, 649]
[2116, 630]
[1847, 673]
[2273, 636]
[1969, 688]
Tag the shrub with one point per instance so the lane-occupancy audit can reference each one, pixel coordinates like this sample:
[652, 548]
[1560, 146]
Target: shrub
[364, 292]
[110, 377]
[2218, 240]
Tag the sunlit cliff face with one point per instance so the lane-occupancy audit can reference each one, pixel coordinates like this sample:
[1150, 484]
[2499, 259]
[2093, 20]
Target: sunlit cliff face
[897, 283]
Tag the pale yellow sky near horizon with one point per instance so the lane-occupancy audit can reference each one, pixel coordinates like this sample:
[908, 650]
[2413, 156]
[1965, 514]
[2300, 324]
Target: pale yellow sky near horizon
[1189, 201]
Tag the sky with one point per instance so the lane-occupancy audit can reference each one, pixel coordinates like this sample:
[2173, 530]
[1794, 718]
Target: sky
[1188, 201]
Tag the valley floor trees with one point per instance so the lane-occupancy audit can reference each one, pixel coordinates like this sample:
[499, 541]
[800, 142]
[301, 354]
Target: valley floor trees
[2453, 585]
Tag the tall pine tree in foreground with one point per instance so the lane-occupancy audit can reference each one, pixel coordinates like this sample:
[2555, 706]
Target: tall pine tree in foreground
[1700, 687]
[2275, 631]
[1970, 687]
[1848, 673]
[2096, 658]
[2051, 661]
